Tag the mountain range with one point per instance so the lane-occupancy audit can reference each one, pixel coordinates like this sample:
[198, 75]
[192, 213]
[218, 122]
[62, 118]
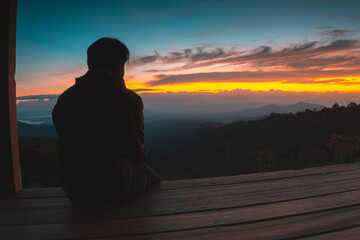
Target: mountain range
[183, 148]
[276, 142]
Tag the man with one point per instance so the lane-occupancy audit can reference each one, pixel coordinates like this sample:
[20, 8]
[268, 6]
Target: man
[100, 125]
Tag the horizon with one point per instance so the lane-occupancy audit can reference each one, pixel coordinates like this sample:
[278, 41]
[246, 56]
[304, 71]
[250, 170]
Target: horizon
[284, 48]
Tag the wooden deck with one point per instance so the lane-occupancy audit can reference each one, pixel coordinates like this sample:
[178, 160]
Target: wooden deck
[316, 203]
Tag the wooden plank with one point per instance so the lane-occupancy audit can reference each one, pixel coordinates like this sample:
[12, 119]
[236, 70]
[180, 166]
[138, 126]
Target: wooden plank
[56, 192]
[345, 234]
[273, 184]
[10, 173]
[35, 193]
[180, 222]
[284, 228]
[186, 194]
[189, 183]
[184, 184]
[158, 205]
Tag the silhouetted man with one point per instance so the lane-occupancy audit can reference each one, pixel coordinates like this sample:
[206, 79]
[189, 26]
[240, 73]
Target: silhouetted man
[100, 125]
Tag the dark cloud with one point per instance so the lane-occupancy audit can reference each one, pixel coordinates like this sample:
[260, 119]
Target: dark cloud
[36, 97]
[299, 47]
[298, 51]
[189, 54]
[320, 62]
[155, 70]
[143, 90]
[353, 63]
[200, 54]
[304, 55]
[160, 76]
[256, 53]
[340, 44]
[210, 77]
[252, 76]
[336, 33]
[145, 60]
[196, 54]
[176, 56]
[327, 82]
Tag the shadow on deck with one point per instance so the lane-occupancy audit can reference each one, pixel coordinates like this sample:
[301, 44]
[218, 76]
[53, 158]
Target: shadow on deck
[316, 203]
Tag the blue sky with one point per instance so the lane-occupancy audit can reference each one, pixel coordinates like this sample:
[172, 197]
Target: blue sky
[52, 36]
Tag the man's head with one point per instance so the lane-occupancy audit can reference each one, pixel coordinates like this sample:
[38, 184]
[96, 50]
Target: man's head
[109, 54]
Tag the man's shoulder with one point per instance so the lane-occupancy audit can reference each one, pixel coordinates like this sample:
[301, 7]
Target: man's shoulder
[67, 94]
[132, 94]
[129, 95]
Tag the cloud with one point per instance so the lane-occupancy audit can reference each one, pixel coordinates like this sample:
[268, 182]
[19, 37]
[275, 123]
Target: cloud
[340, 44]
[267, 56]
[296, 63]
[36, 97]
[298, 47]
[297, 50]
[143, 90]
[245, 76]
[145, 60]
[189, 54]
[161, 76]
[327, 82]
[321, 62]
[336, 33]
[252, 76]
[201, 54]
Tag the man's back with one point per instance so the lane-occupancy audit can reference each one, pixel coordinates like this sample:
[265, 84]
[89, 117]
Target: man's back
[101, 133]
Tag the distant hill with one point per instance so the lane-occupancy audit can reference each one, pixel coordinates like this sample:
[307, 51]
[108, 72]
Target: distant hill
[164, 133]
[38, 161]
[279, 141]
[185, 148]
[167, 133]
[36, 131]
[36, 111]
[274, 108]
[256, 113]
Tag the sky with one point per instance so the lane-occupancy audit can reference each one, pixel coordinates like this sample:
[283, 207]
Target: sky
[195, 46]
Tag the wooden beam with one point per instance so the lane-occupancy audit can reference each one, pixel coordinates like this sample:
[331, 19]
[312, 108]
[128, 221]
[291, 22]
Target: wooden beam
[10, 172]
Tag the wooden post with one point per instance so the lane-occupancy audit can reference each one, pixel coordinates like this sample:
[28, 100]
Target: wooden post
[10, 172]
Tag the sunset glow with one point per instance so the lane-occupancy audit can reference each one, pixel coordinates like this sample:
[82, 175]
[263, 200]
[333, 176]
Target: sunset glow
[201, 46]
[347, 84]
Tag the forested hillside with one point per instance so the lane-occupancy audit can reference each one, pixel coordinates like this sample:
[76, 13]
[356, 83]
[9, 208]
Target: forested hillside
[38, 158]
[279, 141]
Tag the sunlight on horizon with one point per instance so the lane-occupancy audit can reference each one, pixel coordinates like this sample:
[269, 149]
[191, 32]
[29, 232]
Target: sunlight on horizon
[226, 47]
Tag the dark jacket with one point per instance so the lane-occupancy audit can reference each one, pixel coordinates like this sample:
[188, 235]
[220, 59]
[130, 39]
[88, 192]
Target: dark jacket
[100, 125]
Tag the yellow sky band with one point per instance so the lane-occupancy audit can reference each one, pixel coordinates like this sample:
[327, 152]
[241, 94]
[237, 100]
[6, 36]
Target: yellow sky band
[343, 84]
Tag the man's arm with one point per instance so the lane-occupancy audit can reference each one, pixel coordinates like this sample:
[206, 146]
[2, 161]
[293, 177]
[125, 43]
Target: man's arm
[136, 123]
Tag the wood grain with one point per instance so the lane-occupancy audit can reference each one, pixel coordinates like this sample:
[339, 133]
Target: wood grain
[204, 182]
[159, 198]
[348, 234]
[10, 173]
[311, 203]
[180, 222]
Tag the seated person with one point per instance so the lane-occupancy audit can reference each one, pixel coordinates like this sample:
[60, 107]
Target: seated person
[100, 125]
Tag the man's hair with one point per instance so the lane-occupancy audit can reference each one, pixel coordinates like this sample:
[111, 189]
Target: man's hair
[107, 53]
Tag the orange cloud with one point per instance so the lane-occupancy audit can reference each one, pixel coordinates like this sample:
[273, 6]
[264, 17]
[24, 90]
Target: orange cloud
[262, 55]
[313, 66]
